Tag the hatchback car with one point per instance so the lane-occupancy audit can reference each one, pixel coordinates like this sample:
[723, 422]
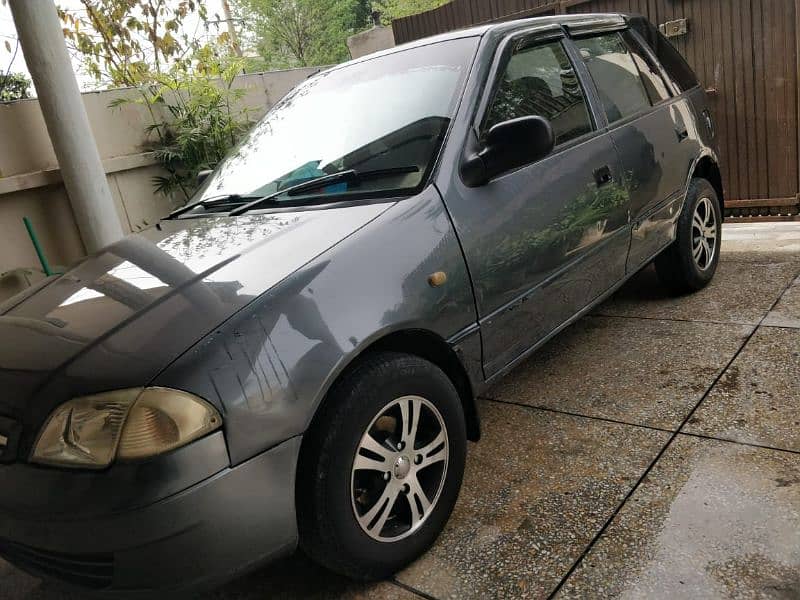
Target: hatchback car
[294, 357]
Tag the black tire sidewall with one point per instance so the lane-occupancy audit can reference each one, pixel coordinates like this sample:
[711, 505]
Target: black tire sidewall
[358, 400]
[696, 277]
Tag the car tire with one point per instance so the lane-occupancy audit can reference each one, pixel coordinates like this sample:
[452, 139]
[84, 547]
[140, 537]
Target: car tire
[343, 485]
[689, 264]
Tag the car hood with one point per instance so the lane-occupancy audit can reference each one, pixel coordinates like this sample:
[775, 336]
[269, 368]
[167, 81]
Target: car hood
[122, 315]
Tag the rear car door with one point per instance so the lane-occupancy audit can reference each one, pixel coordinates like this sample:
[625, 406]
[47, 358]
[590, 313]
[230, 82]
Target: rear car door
[650, 131]
[544, 241]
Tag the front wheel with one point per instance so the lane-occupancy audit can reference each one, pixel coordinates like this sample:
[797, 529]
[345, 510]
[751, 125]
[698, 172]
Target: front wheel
[381, 469]
[690, 263]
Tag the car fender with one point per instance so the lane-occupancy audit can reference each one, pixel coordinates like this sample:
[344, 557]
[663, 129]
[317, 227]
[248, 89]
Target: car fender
[269, 367]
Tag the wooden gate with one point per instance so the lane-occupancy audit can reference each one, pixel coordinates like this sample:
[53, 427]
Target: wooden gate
[744, 51]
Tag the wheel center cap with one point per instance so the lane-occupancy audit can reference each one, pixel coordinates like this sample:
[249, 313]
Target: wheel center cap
[401, 467]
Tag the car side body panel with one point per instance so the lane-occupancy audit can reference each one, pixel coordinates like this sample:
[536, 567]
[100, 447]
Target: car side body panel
[530, 275]
[656, 162]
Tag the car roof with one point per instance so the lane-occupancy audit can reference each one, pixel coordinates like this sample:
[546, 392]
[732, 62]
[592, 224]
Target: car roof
[583, 20]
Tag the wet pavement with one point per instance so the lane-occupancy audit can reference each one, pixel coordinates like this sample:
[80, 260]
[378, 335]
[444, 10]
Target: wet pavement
[652, 450]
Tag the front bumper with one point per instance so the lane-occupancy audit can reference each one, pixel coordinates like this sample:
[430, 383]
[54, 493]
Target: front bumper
[201, 536]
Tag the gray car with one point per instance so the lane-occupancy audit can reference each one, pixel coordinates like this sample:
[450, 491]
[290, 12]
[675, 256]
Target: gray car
[294, 357]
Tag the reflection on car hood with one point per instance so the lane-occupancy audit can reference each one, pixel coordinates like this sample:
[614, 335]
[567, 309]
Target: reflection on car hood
[141, 302]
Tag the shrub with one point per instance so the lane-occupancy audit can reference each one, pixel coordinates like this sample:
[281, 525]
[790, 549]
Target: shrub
[197, 118]
[14, 86]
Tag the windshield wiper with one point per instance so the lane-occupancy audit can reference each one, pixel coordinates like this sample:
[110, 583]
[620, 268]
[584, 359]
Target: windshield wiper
[348, 176]
[236, 199]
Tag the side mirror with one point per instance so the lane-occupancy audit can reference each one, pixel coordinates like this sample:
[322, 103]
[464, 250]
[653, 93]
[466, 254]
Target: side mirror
[202, 176]
[509, 146]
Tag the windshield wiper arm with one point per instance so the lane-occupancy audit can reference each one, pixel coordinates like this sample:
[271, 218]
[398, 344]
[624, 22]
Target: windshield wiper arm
[348, 176]
[351, 175]
[222, 199]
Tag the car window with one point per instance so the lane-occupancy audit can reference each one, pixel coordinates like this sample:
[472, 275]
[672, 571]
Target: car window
[653, 82]
[388, 114]
[540, 81]
[615, 74]
[675, 66]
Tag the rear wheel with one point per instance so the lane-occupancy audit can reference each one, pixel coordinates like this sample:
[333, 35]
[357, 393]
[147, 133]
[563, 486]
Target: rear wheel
[690, 263]
[381, 469]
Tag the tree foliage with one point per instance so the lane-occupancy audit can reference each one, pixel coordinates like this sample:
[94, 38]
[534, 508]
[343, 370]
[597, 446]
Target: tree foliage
[396, 9]
[14, 86]
[121, 42]
[298, 33]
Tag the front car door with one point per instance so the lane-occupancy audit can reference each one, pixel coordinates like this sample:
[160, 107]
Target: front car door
[544, 241]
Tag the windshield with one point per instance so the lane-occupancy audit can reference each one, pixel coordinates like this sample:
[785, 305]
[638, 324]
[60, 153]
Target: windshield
[385, 117]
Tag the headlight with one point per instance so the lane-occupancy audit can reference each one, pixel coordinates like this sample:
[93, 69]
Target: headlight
[130, 424]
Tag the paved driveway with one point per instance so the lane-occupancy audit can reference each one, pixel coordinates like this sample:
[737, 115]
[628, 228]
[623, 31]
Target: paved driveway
[651, 450]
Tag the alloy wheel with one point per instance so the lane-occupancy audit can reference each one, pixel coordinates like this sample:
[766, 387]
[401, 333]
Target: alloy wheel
[704, 234]
[399, 469]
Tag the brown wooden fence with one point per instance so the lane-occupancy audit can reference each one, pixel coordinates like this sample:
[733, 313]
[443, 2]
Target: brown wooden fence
[746, 53]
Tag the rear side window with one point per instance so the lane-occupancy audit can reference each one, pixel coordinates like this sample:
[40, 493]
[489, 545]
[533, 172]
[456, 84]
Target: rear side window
[653, 82]
[540, 81]
[615, 75]
[676, 67]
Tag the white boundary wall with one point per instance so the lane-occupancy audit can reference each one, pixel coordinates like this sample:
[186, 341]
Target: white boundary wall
[31, 185]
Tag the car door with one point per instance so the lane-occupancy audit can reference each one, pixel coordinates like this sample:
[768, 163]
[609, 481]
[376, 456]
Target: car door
[649, 131]
[546, 240]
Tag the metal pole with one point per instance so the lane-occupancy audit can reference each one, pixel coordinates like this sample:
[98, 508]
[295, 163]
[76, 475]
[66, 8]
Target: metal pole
[46, 55]
[226, 8]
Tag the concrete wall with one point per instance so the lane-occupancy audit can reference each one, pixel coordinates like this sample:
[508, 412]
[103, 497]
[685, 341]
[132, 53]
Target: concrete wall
[31, 185]
[372, 40]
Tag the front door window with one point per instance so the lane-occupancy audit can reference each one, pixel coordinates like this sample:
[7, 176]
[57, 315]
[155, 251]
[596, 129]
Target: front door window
[540, 81]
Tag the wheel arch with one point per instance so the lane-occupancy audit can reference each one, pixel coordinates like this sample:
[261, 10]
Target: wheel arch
[431, 347]
[707, 168]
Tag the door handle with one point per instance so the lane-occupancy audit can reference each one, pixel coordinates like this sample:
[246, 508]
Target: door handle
[682, 134]
[603, 176]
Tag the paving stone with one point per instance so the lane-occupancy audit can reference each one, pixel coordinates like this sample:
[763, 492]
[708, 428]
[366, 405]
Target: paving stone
[787, 312]
[641, 371]
[298, 577]
[749, 242]
[741, 292]
[757, 400]
[538, 486]
[712, 520]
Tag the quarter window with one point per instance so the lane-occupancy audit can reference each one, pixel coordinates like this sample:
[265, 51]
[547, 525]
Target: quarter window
[653, 82]
[615, 74]
[540, 81]
[676, 68]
